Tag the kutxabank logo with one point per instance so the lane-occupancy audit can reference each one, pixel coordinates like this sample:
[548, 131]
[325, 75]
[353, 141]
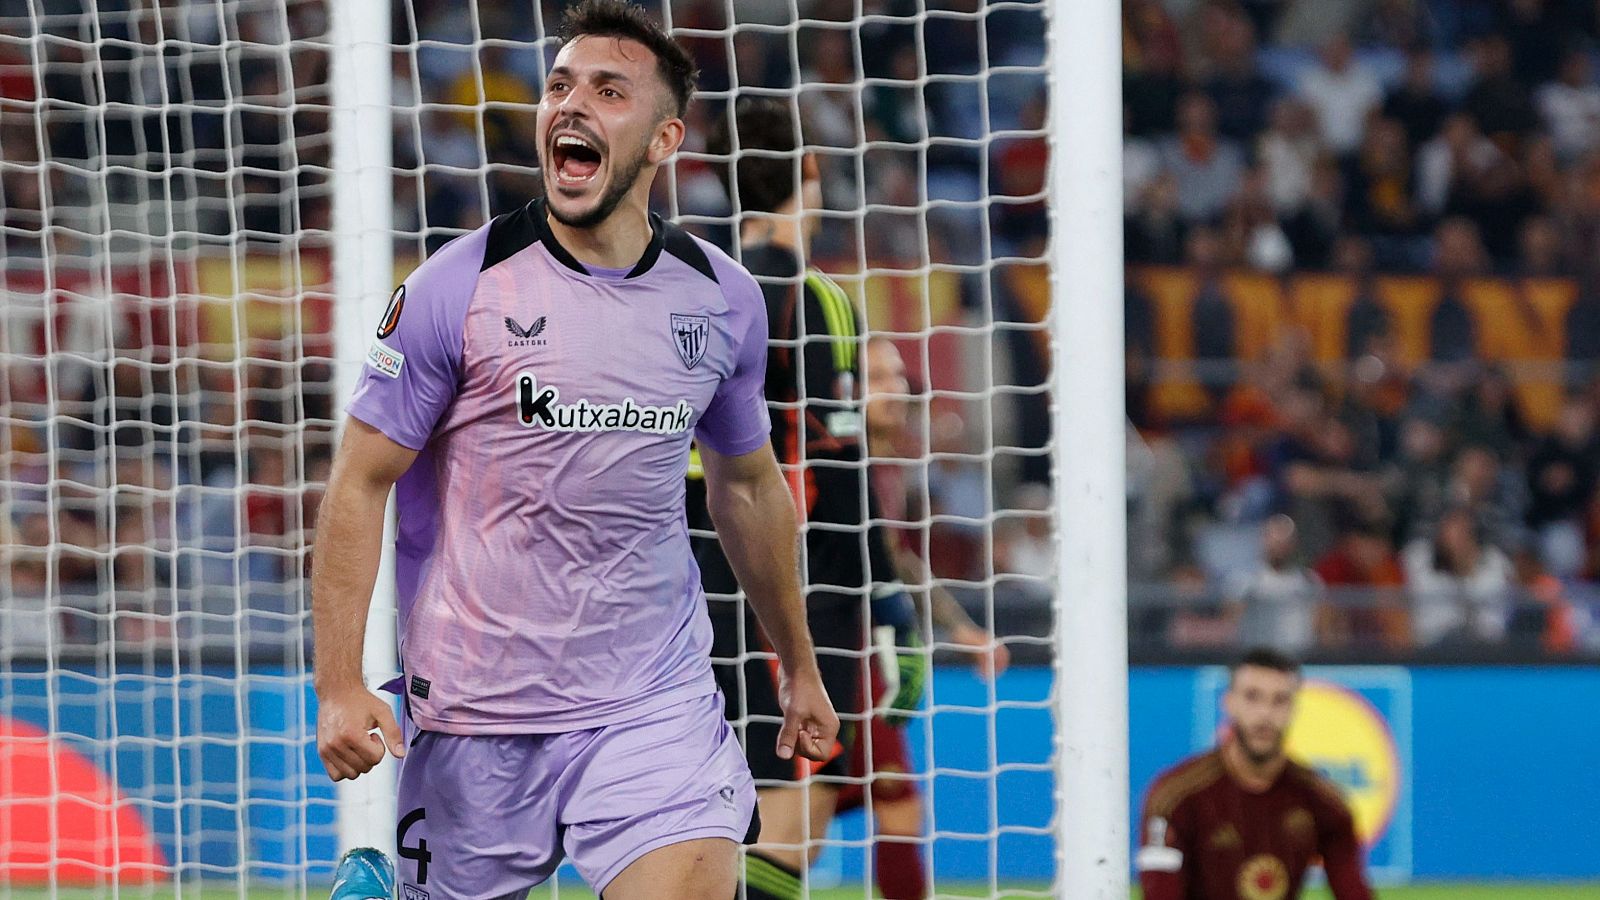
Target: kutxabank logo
[540, 407]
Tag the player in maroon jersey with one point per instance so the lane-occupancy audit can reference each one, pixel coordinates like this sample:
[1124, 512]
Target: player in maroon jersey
[1244, 822]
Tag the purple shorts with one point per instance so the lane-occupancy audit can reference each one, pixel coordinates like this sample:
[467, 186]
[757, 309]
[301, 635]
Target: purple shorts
[486, 816]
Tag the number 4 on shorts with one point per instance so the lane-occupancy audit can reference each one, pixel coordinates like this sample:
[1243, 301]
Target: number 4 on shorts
[418, 854]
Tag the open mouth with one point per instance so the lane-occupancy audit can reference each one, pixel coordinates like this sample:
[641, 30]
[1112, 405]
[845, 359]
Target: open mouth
[574, 159]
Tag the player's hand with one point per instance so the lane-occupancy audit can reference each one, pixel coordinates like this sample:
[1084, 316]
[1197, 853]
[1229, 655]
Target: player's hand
[810, 726]
[989, 656]
[911, 669]
[346, 720]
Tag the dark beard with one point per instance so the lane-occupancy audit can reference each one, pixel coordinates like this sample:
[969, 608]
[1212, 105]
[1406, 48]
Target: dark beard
[1255, 758]
[609, 201]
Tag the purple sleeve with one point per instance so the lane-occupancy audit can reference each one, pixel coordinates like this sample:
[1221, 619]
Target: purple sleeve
[414, 362]
[736, 422]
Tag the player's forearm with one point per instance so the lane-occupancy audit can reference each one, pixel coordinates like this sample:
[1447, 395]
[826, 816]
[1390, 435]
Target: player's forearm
[946, 613]
[344, 570]
[756, 524]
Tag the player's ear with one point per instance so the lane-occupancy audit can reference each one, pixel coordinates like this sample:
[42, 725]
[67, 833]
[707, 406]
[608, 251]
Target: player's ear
[669, 137]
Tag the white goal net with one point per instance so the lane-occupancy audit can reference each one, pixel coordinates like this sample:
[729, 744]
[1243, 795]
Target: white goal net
[170, 359]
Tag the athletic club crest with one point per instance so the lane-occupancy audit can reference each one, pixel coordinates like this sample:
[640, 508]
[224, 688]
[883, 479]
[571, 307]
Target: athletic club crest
[689, 335]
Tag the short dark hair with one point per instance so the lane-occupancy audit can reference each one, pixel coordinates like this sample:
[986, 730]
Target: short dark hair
[760, 182]
[1266, 658]
[621, 19]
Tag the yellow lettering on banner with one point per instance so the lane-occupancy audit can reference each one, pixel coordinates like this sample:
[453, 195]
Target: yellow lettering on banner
[1525, 322]
[1259, 314]
[1410, 301]
[1321, 305]
[1175, 394]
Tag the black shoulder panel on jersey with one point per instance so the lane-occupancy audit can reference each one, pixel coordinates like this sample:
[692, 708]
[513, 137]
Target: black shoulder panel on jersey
[511, 233]
[681, 244]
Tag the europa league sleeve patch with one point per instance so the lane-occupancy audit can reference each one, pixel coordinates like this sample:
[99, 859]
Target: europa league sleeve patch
[391, 313]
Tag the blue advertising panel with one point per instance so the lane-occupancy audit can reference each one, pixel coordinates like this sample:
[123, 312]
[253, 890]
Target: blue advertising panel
[1455, 773]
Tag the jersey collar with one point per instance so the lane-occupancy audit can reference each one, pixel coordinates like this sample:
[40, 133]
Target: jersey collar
[540, 213]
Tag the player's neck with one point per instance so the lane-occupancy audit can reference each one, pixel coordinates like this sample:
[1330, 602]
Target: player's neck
[783, 227]
[616, 243]
[1250, 775]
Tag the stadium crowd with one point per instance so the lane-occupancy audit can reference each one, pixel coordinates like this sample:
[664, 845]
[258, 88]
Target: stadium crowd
[1378, 504]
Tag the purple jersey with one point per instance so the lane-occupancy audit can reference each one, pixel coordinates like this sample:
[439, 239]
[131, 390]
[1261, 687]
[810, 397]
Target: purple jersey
[542, 563]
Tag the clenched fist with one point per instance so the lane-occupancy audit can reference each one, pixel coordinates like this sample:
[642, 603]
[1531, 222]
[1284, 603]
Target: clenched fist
[345, 722]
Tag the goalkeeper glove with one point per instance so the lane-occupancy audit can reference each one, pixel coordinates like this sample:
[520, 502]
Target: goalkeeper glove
[911, 662]
[903, 662]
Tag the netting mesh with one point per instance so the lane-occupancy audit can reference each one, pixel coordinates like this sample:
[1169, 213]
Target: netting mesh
[165, 187]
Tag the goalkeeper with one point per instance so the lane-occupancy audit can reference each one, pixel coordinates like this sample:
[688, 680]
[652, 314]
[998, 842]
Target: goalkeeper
[881, 762]
[814, 385]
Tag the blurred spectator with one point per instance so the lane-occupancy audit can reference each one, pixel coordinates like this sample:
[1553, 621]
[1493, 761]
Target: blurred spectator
[1367, 320]
[1460, 586]
[1288, 150]
[1024, 545]
[1152, 55]
[1342, 91]
[496, 102]
[1253, 233]
[1156, 232]
[1207, 167]
[1415, 479]
[1571, 106]
[1544, 612]
[1316, 227]
[1160, 487]
[1488, 417]
[895, 102]
[1452, 333]
[959, 490]
[1237, 88]
[1279, 604]
[1497, 100]
[1479, 486]
[1362, 573]
[1415, 103]
[1306, 23]
[1547, 181]
[1537, 37]
[1212, 313]
[1381, 198]
[1020, 168]
[1541, 253]
[1320, 477]
[1451, 162]
[1141, 164]
[1562, 475]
